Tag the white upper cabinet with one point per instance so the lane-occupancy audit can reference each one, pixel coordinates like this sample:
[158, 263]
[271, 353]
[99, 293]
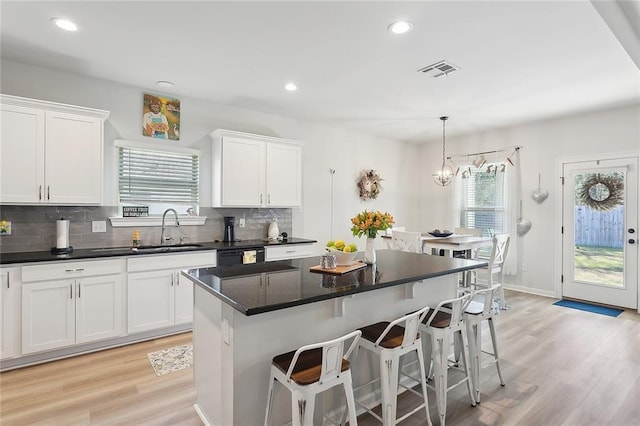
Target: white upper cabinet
[50, 153]
[255, 171]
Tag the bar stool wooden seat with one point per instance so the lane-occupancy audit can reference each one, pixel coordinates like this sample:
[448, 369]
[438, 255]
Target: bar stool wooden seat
[390, 341]
[310, 370]
[444, 325]
[481, 308]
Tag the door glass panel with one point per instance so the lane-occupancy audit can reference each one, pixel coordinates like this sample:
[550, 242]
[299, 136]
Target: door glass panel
[599, 228]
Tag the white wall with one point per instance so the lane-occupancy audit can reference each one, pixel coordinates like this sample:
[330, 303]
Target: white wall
[543, 144]
[409, 192]
[324, 148]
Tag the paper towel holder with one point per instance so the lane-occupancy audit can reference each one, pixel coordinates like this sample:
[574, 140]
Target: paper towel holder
[62, 230]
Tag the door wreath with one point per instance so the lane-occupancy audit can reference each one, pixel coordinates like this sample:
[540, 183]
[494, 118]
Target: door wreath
[602, 192]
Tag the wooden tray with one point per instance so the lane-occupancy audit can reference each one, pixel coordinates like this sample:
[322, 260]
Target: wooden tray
[339, 270]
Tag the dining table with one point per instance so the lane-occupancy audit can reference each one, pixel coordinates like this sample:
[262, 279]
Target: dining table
[432, 245]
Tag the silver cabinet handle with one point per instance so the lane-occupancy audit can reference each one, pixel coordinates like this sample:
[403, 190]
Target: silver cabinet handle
[48, 192]
[70, 291]
[40, 192]
[269, 199]
[290, 251]
[260, 198]
[8, 279]
[177, 278]
[173, 279]
[79, 288]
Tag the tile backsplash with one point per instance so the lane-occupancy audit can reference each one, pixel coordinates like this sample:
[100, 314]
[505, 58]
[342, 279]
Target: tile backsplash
[33, 228]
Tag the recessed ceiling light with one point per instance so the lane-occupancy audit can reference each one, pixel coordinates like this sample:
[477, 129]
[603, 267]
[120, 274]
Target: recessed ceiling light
[400, 27]
[291, 87]
[164, 83]
[65, 24]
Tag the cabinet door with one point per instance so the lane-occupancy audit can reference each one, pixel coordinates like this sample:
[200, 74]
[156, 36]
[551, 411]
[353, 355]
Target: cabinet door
[183, 299]
[73, 173]
[48, 315]
[99, 309]
[150, 300]
[21, 154]
[242, 172]
[6, 314]
[284, 175]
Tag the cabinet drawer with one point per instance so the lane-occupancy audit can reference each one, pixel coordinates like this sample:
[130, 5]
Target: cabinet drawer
[62, 270]
[289, 251]
[170, 261]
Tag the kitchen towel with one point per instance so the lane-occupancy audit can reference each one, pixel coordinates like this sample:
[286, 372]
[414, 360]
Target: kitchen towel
[62, 233]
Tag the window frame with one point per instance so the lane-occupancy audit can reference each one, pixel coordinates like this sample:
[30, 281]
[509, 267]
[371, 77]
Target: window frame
[120, 144]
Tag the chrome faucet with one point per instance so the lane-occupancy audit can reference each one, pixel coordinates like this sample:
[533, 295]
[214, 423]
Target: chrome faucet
[164, 239]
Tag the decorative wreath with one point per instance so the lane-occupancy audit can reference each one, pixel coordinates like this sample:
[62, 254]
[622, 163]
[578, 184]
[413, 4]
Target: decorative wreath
[602, 193]
[369, 185]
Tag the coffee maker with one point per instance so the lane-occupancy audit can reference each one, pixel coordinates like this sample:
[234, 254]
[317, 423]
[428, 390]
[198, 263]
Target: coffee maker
[229, 223]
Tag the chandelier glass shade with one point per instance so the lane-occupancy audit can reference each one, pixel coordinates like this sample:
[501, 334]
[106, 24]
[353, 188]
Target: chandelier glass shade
[444, 175]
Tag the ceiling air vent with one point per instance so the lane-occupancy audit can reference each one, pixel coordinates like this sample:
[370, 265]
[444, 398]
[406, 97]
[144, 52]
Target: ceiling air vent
[439, 69]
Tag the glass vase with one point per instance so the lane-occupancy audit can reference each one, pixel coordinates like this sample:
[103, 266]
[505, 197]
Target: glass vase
[370, 252]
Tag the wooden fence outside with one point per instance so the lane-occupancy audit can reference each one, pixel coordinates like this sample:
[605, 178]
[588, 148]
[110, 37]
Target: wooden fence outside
[600, 229]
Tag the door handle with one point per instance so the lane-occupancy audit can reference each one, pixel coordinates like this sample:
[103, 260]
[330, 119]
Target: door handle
[632, 241]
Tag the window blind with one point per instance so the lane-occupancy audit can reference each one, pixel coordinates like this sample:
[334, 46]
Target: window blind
[483, 203]
[152, 177]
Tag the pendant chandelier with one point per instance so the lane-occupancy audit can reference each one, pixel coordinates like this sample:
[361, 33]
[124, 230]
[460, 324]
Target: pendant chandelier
[444, 175]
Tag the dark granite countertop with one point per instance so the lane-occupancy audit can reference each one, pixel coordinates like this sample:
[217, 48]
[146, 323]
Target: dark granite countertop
[103, 252]
[291, 283]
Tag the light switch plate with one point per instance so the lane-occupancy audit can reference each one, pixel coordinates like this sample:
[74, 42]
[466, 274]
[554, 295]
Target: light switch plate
[99, 226]
[241, 222]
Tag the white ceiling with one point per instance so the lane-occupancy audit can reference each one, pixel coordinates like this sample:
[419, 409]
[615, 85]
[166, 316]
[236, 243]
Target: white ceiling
[520, 61]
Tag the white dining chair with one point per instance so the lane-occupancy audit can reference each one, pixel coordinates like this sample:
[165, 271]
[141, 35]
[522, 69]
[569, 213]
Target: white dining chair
[495, 266]
[406, 241]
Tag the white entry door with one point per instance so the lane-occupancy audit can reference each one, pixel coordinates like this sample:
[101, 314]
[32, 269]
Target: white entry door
[600, 231]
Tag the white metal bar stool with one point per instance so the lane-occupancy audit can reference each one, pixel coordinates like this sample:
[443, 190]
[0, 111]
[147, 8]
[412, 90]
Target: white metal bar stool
[390, 341]
[311, 370]
[481, 308]
[444, 324]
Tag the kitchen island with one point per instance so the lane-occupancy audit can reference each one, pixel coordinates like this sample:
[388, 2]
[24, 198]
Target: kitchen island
[246, 314]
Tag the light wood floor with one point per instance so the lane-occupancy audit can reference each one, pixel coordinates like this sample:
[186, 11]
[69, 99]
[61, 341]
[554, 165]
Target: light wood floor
[561, 366]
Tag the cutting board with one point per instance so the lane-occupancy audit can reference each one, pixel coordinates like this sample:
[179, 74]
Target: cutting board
[339, 270]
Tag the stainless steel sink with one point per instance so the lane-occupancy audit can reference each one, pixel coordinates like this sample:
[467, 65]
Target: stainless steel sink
[150, 248]
[172, 247]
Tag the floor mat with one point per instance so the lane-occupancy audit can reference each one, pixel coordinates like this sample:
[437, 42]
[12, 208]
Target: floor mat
[172, 359]
[602, 310]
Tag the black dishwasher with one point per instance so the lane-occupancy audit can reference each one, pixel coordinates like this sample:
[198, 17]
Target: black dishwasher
[241, 256]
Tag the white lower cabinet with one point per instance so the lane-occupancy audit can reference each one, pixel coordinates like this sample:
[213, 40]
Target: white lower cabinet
[85, 307]
[158, 295]
[10, 287]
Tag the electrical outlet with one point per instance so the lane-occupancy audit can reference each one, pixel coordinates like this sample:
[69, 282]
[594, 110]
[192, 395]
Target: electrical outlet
[99, 226]
[5, 228]
[241, 222]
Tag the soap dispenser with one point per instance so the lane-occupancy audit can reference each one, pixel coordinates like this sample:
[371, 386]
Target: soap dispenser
[273, 231]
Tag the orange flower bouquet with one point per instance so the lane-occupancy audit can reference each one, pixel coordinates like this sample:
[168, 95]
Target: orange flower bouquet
[369, 223]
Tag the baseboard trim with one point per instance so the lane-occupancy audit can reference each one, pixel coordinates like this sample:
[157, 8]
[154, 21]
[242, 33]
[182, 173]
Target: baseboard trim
[529, 290]
[53, 355]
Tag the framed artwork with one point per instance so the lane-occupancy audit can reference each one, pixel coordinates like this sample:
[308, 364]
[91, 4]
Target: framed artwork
[161, 117]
